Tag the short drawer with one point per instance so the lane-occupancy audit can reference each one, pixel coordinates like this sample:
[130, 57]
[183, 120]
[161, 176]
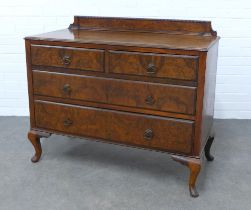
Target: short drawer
[134, 129]
[181, 67]
[67, 57]
[162, 97]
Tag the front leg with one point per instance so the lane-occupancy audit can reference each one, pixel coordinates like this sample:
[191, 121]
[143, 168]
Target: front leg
[194, 165]
[34, 137]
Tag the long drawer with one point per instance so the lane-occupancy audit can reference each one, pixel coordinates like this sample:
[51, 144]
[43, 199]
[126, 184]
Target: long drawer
[163, 97]
[134, 129]
[67, 57]
[181, 67]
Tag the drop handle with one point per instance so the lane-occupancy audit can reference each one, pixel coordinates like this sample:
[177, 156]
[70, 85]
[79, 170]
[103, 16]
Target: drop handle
[149, 100]
[148, 134]
[66, 60]
[67, 89]
[151, 68]
[68, 122]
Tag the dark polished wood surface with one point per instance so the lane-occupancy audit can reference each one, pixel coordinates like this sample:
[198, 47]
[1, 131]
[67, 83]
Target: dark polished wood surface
[177, 99]
[144, 25]
[139, 82]
[128, 38]
[154, 65]
[75, 58]
[164, 133]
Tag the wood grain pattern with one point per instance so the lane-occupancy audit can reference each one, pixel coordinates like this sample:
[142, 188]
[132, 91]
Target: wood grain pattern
[76, 58]
[166, 66]
[138, 82]
[34, 137]
[209, 96]
[30, 82]
[140, 24]
[194, 166]
[106, 74]
[116, 126]
[170, 98]
[124, 38]
[115, 107]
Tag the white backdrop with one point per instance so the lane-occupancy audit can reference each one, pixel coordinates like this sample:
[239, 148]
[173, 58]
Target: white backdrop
[231, 19]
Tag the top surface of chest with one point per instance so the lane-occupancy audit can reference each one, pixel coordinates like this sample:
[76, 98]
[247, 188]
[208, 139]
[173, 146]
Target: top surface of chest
[167, 34]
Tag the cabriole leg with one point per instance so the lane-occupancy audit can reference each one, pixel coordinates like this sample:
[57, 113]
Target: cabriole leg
[194, 165]
[207, 148]
[34, 138]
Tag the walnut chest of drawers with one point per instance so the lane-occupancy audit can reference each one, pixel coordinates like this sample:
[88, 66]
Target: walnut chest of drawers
[146, 83]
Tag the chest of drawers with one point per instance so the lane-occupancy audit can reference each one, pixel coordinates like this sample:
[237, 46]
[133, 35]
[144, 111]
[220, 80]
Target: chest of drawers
[140, 82]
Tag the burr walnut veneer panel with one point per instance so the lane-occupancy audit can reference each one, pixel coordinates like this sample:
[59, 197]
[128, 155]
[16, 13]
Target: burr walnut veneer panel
[76, 58]
[154, 65]
[140, 130]
[161, 97]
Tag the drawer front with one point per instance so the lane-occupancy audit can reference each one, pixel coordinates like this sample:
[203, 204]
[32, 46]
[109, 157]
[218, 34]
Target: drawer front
[161, 97]
[180, 67]
[68, 57]
[134, 129]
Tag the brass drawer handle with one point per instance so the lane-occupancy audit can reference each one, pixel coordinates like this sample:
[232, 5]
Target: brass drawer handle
[67, 89]
[66, 60]
[148, 134]
[149, 100]
[151, 68]
[68, 122]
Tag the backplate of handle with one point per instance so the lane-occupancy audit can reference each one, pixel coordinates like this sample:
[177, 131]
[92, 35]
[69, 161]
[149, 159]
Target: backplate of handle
[68, 122]
[67, 89]
[151, 68]
[66, 60]
[149, 100]
[148, 134]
